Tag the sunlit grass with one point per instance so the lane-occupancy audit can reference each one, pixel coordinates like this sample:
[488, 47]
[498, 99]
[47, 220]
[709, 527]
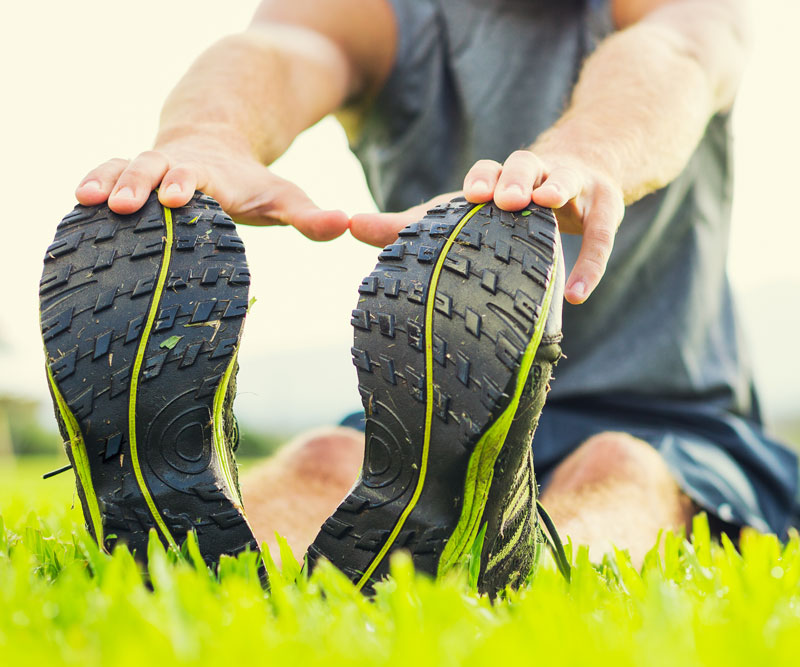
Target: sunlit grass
[693, 603]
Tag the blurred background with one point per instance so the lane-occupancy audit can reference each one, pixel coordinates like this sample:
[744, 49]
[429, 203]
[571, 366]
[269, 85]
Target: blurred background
[83, 81]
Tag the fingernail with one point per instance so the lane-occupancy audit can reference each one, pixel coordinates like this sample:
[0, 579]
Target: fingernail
[124, 193]
[579, 289]
[481, 187]
[173, 188]
[514, 189]
[91, 185]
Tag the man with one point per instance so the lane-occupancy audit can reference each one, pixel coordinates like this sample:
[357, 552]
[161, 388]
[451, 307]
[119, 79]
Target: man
[652, 415]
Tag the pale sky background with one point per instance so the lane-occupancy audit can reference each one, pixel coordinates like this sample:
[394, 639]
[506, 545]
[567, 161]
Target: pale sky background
[83, 81]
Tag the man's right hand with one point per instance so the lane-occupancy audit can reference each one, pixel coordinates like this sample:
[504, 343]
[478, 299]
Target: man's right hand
[242, 103]
[248, 191]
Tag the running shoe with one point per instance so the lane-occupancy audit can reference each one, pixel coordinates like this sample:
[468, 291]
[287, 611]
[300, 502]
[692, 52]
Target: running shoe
[457, 330]
[141, 317]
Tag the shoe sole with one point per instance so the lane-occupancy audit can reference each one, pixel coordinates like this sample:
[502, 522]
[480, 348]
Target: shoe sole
[141, 317]
[439, 407]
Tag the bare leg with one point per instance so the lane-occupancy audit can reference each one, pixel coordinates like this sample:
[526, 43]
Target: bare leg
[294, 491]
[616, 490]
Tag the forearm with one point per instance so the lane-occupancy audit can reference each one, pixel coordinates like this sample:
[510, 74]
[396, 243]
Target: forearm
[256, 91]
[645, 96]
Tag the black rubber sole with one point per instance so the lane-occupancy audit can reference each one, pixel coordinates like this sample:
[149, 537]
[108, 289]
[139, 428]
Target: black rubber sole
[489, 282]
[141, 317]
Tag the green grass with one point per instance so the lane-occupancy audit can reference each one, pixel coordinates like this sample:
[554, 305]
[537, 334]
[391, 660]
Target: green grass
[63, 601]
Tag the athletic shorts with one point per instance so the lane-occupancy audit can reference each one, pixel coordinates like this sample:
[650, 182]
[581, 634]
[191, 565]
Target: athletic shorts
[724, 462]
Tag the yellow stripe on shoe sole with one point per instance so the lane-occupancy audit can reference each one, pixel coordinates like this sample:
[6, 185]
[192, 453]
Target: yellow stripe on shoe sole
[134, 382]
[430, 300]
[481, 462]
[219, 431]
[80, 458]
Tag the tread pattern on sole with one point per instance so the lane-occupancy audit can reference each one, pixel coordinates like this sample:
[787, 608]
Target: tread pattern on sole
[488, 300]
[98, 286]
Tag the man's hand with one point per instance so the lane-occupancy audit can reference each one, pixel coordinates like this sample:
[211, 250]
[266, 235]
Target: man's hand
[244, 101]
[586, 201]
[245, 189]
[380, 229]
[638, 110]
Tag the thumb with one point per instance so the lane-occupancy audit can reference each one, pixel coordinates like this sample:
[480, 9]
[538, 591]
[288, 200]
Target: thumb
[380, 229]
[284, 203]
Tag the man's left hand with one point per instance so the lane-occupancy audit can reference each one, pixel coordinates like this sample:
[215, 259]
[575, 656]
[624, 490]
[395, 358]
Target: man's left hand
[586, 201]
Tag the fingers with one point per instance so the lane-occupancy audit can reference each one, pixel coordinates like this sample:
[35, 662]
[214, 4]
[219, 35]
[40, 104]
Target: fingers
[270, 200]
[97, 184]
[380, 229]
[521, 173]
[126, 184]
[297, 209]
[599, 228]
[481, 180]
[246, 189]
[319, 224]
[180, 182]
[561, 185]
[137, 181]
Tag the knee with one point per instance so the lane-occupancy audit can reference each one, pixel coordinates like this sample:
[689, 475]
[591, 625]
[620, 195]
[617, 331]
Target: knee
[325, 453]
[621, 451]
[611, 455]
